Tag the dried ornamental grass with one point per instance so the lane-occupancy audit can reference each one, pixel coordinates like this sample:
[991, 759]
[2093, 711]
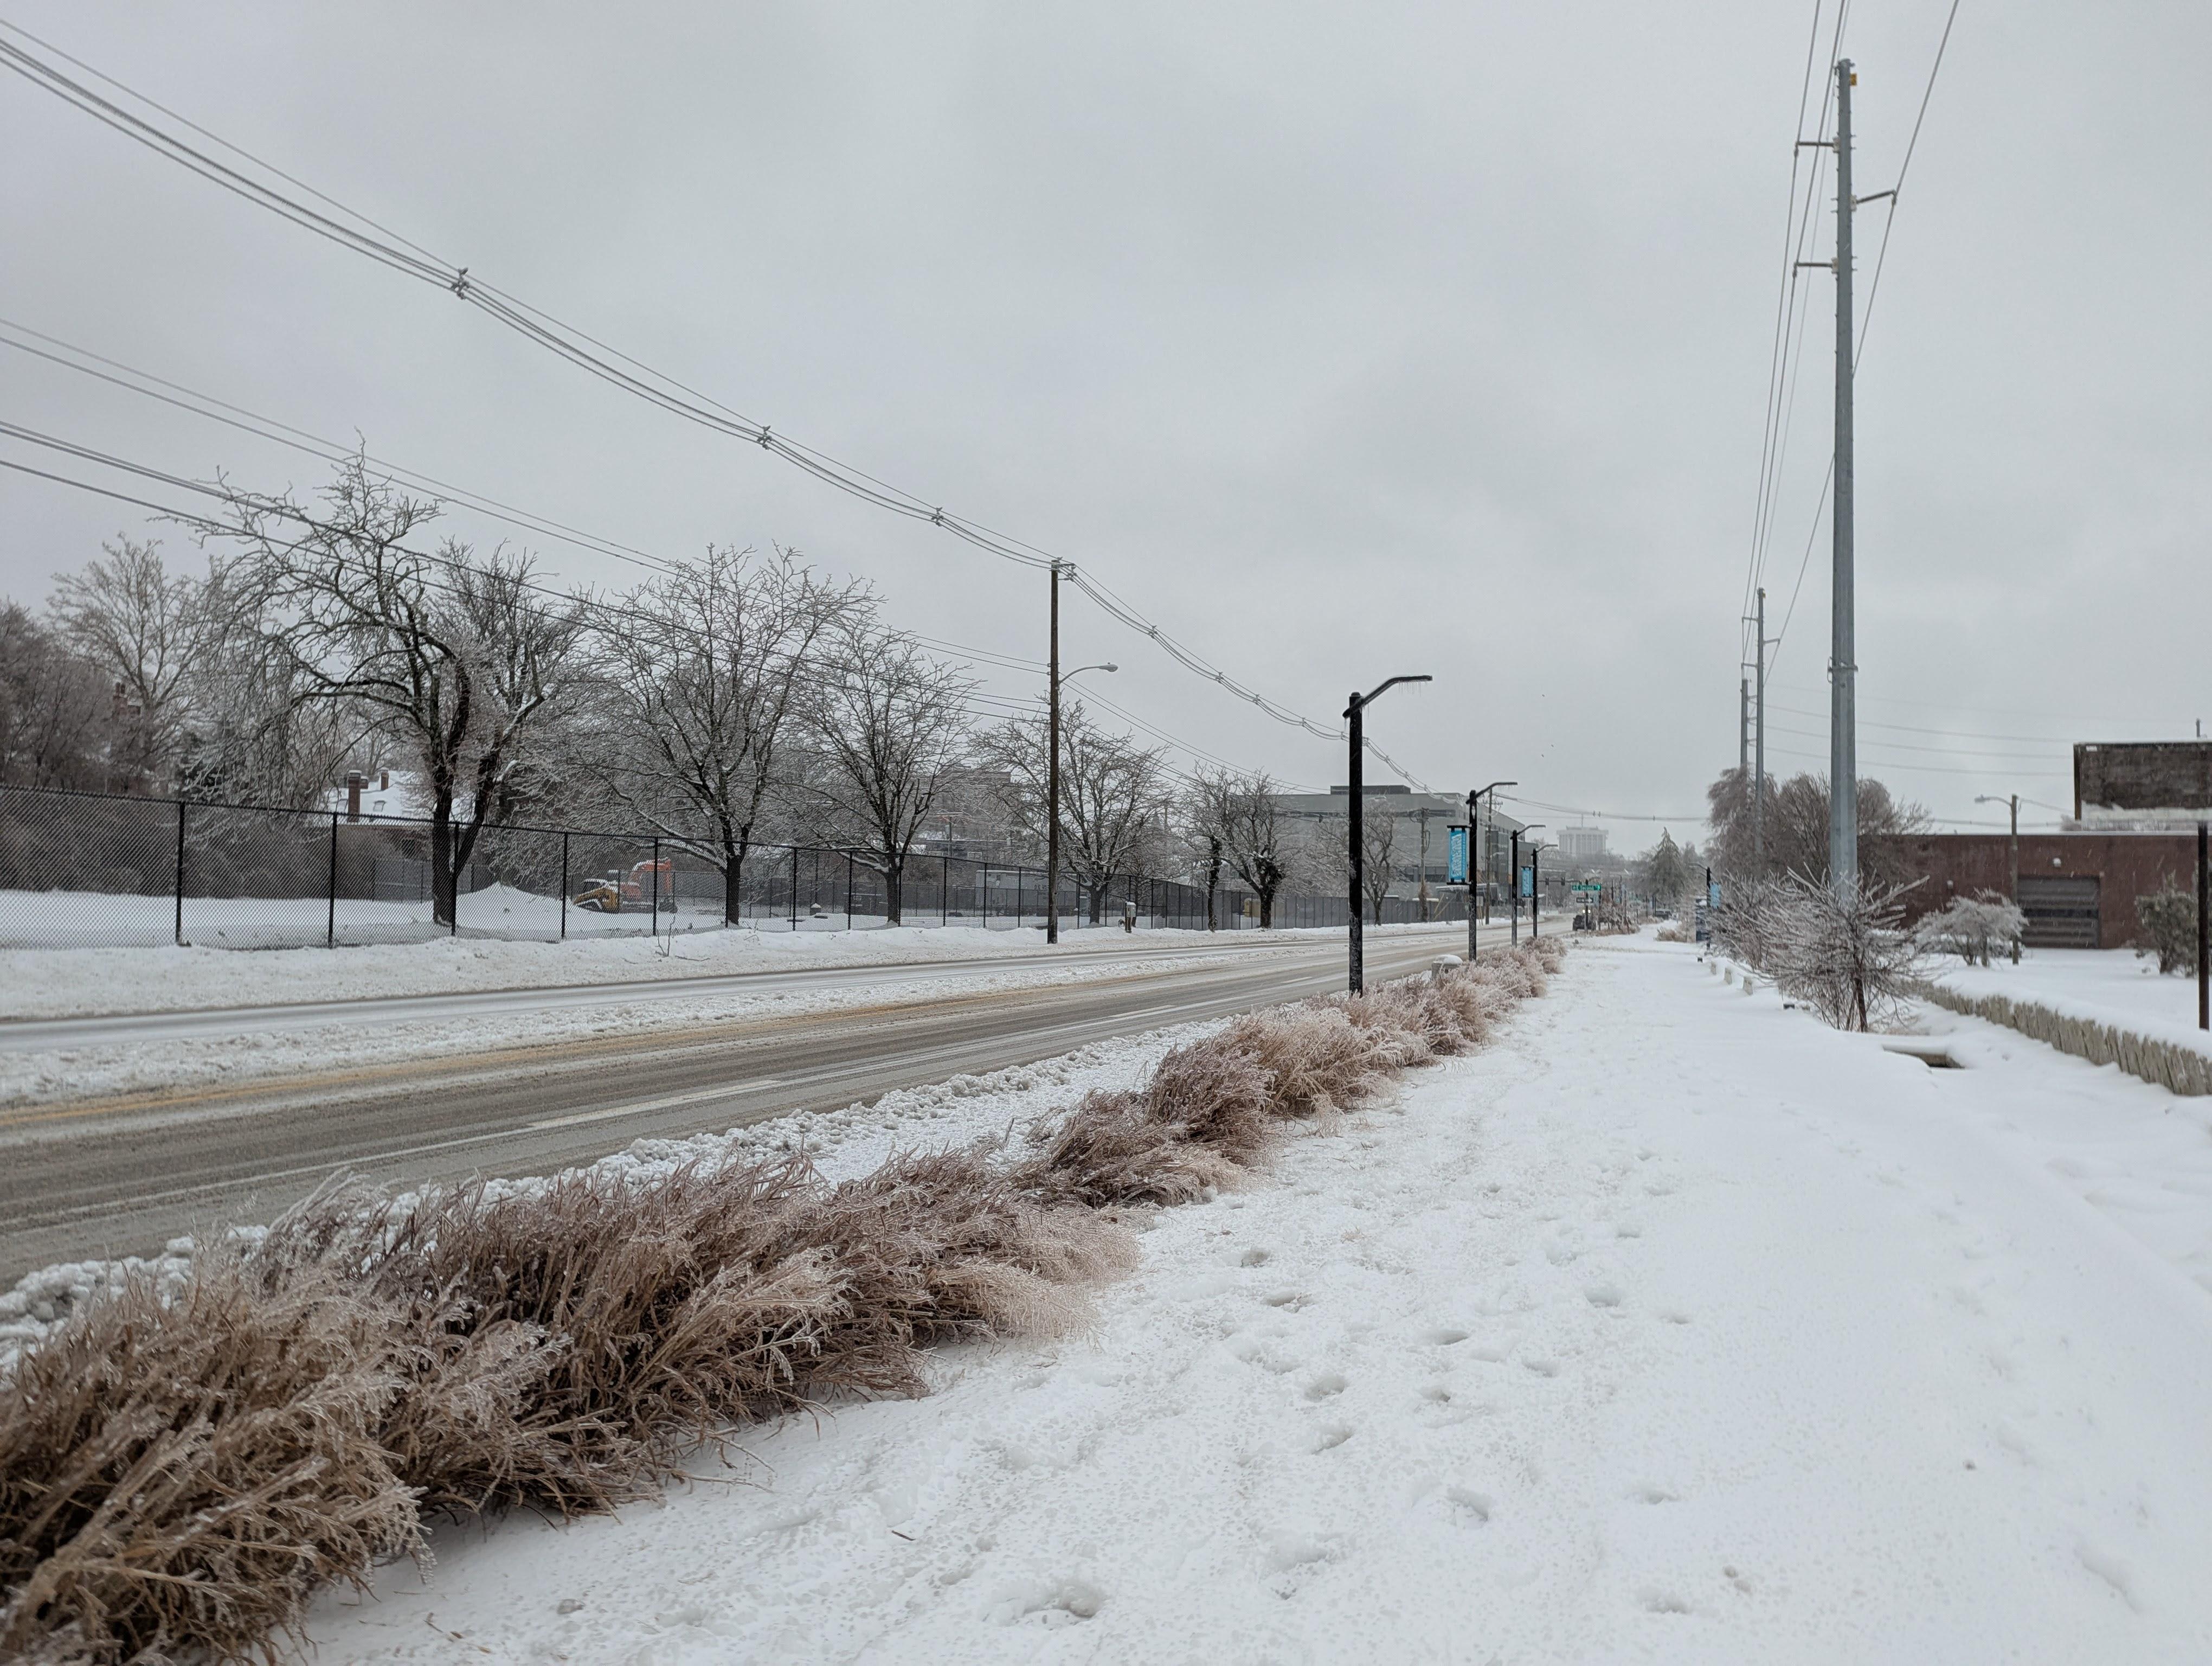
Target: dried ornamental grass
[186, 1470]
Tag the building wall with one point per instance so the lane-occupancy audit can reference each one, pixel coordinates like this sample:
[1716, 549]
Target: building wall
[2126, 865]
[2145, 775]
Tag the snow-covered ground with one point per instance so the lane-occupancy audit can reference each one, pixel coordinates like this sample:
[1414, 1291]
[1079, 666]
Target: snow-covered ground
[2111, 986]
[66, 982]
[1672, 1327]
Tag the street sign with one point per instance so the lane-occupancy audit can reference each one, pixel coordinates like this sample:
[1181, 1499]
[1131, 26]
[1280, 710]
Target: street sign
[1455, 855]
[1589, 887]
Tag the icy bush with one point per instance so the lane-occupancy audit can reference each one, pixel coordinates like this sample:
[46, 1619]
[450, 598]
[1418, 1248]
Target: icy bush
[2169, 920]
[1848, 956]
[1971, 926]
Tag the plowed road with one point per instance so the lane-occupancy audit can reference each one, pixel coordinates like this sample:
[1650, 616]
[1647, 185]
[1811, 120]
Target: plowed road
[81, 1179]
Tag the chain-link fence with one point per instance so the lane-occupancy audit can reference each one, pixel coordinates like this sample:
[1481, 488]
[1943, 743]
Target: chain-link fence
[85, 870]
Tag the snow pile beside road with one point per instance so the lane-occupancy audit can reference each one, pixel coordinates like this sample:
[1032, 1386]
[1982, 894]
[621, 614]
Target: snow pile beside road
[71, 982]
[86, 1071]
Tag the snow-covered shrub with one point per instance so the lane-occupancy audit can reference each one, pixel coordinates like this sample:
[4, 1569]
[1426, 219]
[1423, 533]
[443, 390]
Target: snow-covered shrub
[181, 1469]
[1971, 926]
[1848, 956]
[2169, 920]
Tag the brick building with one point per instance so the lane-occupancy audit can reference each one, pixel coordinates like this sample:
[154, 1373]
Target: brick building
[2078, 889]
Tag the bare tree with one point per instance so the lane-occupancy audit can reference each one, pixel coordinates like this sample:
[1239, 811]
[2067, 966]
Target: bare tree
[1796, 829]
[709, 675]
[150, 630]
[1208, 810]
[891, 722]
[1113, 793]
[459, 660]
[1378, 843]
[50, 708]
[1258, 840]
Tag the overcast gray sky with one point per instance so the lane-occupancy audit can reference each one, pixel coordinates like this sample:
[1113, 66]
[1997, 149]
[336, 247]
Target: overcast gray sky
[1344, 341]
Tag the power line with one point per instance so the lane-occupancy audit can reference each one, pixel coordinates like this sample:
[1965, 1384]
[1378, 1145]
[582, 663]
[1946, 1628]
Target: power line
[331, 451]
[1874, 286]
[976, 703]
[410, 259]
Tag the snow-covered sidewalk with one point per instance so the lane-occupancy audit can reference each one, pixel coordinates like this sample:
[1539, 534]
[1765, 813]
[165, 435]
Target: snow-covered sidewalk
[1672, 1327]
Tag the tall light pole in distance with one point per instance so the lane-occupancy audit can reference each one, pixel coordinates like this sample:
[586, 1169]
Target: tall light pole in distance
[1474, 865]
[1353, 715]
[1513, 880]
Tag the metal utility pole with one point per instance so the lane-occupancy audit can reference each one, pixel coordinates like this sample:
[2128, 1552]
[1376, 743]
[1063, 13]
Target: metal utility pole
[1759, 770]
[1743, 728]
[1353, 715]
[1843, 653]
[1052, 777]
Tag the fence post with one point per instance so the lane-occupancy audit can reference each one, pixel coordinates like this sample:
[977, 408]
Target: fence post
[180, 873]
[795, 888]
[331, 937]
[564, 887]
[656, 888]
[944, 893]
[1018, 873]
[848, 891]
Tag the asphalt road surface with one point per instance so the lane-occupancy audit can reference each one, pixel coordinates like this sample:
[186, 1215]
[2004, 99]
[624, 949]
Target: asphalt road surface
[84, 1179]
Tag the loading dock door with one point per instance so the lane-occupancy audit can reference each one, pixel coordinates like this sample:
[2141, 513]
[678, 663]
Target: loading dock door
[2062, 913]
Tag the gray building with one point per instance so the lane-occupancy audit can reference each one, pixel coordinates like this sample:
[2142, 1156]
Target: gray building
[1315, 812]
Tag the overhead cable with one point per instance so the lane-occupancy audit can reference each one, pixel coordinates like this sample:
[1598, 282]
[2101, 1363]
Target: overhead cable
[356, 232]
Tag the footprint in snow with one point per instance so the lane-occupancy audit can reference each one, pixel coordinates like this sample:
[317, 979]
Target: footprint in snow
[1443, 1336]
[1330, 1436]
[1326, 1386]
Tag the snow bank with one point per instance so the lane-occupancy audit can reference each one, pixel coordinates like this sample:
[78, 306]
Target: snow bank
[2098, 1007]
[78, 982]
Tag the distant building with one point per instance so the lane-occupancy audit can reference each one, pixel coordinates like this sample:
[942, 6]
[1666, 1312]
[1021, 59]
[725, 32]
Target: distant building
[1582, 844]
[1441, 810]
[2077, 888]
[2141, 785]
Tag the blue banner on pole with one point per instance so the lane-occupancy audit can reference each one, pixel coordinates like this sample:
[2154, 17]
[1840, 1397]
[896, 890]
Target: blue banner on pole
[1528, 882]
[1455, 855]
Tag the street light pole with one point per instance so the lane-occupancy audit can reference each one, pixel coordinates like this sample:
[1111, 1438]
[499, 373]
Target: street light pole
[1473, 863]
[2013, 800]
[1514, 881]
[1353, 715]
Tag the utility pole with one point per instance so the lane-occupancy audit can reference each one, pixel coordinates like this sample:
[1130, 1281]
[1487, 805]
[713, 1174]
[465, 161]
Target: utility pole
[1843, 657]
[1743, 729]
[1758, 772]
[1052, 778]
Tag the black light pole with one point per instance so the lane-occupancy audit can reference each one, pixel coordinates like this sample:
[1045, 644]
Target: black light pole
[1474, 865]
[1353, 714]
[1513, 880]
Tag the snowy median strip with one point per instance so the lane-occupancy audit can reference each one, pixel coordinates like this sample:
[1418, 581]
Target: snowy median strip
[191, 1453]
